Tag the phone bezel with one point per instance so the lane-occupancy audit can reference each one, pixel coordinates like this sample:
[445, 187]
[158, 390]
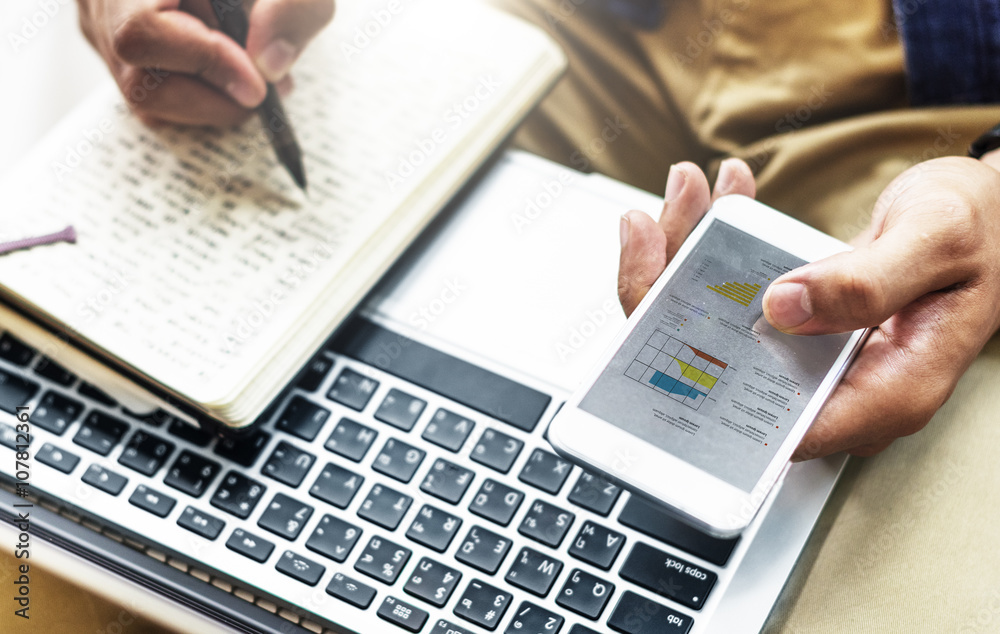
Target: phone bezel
[714, 505]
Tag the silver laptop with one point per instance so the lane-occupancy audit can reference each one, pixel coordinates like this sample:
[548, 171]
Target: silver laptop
[403, 483]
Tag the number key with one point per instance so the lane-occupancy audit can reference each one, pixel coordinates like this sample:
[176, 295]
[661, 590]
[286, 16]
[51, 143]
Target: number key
[382, 560]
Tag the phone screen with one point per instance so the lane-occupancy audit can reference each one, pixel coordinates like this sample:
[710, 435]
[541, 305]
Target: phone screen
[703, 376]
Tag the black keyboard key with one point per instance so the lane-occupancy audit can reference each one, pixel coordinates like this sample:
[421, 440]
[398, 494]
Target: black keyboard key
[351, 440]
[483, 550]
[483, 604]
[191, 473]
[496, 502]
[194, 435]
[434, 528]
[650, 519]
[532, 619]
[15, 391]
[52, 371]
[200, 523]
[350, 590]
[405, 615]
[546, 471]
[302, 418]
[333, 538]
[433, 582]
[669, 576]
[243, 449]
[151, 500]
[447, 627]
[249, 545]
[581, 629]
[452, 378]
[336, 485]
[546, 523]
[447, 481]
[534, 571]
[288, 464]
[285, 516]
[597, 545]
[57, 458]
[100, 433]
[497, 450]
[156, 418]
[14, 350]
[385, 507]
[382, 560]
[639, 615]
[55, 412]
[145, 453]
[352, 389]
[398, 460]
[594, 493]
[238, 494]
[298, 567]
[315, 372]
[97, 394]
[104, 479]
[448, 430]
[585, 594]
[10, 438]
[400, 410]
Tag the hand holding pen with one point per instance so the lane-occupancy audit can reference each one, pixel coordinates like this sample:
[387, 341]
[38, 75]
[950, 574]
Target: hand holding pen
[172, 63]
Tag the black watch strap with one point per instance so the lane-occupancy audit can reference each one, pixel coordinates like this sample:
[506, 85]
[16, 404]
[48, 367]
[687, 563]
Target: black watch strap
[986, 143]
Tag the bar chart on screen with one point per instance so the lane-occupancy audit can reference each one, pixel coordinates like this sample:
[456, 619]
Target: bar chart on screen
[675, 369]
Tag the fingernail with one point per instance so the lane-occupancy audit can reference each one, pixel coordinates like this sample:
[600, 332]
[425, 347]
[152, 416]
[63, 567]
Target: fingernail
[788, 305]
[277, 59]
[724, 181]
[624, 227]
[675, 183]
[244, 94]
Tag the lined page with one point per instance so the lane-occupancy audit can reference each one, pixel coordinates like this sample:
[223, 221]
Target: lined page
[196, 252]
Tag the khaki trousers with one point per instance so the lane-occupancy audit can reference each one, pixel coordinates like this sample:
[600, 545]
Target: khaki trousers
[812, 94]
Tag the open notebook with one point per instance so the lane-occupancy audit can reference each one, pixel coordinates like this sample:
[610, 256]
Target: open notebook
[200, 271]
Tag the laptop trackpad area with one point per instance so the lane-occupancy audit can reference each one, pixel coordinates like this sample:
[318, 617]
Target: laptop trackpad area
[522, 271]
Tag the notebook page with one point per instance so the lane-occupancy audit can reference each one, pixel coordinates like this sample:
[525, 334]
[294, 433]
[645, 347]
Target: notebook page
[196, 253]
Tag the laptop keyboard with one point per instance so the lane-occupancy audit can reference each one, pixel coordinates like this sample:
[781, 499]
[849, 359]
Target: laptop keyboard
[393, 485]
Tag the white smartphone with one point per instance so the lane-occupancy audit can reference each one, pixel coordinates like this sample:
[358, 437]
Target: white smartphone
[698, 402]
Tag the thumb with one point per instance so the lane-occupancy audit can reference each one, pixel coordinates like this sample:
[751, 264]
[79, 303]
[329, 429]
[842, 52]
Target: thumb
[280, 30]
[862, 288]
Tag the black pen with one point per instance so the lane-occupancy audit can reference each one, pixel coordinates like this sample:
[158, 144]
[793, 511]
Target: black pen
[234, 23]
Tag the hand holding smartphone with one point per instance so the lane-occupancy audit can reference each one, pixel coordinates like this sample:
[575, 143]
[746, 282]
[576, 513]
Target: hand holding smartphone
[699, 403]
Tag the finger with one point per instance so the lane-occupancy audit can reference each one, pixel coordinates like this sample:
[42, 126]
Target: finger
[180, 99]
[735, 177]
[863, 288]
[643, 258]
[876, 402]
[280, 29]
[686, 200]
[992, 159]
[179, 42]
